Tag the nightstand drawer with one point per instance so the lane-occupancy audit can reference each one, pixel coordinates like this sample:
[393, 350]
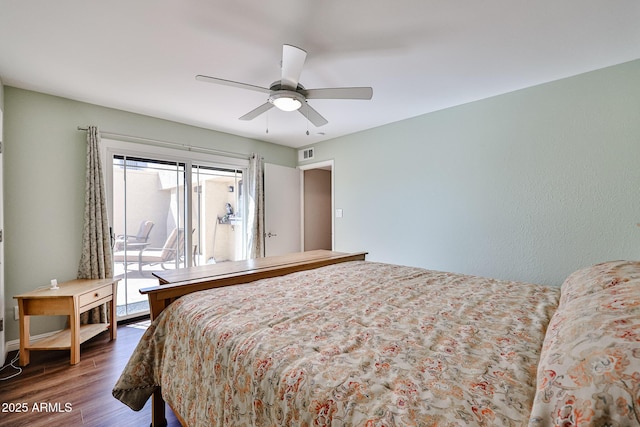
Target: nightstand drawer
[95, 295]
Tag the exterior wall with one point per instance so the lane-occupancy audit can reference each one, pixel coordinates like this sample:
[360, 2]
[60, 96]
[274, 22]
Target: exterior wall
[148, 202]
[220, 239]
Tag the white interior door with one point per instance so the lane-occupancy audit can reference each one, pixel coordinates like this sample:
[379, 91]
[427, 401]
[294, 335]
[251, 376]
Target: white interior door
[281, 210]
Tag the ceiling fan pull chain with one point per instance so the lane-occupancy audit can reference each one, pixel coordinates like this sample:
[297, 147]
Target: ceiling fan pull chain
[307, 107]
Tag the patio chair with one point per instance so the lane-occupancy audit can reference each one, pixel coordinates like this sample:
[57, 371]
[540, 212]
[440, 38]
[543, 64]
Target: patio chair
[172, 250]
[141, 237]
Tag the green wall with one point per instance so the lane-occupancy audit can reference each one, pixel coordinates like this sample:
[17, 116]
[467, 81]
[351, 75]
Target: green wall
[44, 183]
[529, 185]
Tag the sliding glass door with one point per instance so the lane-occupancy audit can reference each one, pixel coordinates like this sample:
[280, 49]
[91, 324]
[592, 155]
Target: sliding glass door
[159, 226]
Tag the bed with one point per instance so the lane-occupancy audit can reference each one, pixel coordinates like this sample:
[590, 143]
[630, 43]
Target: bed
[370, 344]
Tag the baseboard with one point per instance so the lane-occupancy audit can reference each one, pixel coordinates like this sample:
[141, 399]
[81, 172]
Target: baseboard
[14, 345]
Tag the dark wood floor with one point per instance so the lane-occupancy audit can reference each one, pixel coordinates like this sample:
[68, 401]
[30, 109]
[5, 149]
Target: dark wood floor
[77, 395]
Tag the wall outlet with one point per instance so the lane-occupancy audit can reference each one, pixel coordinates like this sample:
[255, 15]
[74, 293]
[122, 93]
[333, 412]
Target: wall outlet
[1, 325]
[16, 313]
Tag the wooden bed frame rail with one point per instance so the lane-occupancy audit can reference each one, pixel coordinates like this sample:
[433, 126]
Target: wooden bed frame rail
[177, 283]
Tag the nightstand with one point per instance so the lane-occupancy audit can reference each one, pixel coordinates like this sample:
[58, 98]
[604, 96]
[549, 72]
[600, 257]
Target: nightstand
[71, 299]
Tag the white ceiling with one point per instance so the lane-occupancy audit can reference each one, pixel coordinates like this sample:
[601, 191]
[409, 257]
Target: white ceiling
[418, 55]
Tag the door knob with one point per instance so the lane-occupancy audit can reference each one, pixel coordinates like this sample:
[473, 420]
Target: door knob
[270, 234]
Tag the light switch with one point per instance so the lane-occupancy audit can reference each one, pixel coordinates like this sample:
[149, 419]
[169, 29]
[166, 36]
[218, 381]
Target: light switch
[338, 213]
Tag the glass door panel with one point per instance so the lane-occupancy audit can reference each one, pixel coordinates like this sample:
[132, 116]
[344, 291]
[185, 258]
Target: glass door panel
[217, 215]
[149, 224]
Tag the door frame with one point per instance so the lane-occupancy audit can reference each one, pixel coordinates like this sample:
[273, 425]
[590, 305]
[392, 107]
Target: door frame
[326, 164]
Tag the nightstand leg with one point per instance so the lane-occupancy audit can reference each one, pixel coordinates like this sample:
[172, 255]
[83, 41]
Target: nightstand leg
[113, 322]
[24, 334]
[74, 323]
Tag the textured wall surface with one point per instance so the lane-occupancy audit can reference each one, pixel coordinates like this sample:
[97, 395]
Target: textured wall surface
[529, 185]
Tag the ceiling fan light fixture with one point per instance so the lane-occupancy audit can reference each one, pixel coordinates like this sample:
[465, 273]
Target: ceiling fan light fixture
[286, 100]
[287, 104]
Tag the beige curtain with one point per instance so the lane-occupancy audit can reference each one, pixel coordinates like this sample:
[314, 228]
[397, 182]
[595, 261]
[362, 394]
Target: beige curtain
[96, 258]
[255, 217]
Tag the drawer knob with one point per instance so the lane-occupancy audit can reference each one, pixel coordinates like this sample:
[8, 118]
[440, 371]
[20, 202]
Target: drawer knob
[96, 295]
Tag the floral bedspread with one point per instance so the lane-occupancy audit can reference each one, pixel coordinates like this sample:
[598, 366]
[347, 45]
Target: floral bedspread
[353, 344]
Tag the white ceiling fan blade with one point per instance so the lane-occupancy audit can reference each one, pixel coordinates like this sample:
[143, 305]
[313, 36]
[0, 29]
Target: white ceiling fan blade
[257, 111]
[312, 115]
[339, 93]
[231, 83]
[292, 62]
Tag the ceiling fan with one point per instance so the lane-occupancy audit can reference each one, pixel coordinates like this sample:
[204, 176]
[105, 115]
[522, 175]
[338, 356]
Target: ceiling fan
[288, 94]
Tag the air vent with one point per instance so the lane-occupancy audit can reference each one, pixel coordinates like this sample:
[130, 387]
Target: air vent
[306, 154]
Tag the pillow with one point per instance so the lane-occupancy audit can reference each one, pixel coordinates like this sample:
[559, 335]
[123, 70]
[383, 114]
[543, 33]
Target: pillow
[589, 369]
[593, 279]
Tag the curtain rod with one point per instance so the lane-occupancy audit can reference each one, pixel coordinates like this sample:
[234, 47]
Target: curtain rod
[173, 144]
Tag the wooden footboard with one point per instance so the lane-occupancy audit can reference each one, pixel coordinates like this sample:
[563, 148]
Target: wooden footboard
[176, 283]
